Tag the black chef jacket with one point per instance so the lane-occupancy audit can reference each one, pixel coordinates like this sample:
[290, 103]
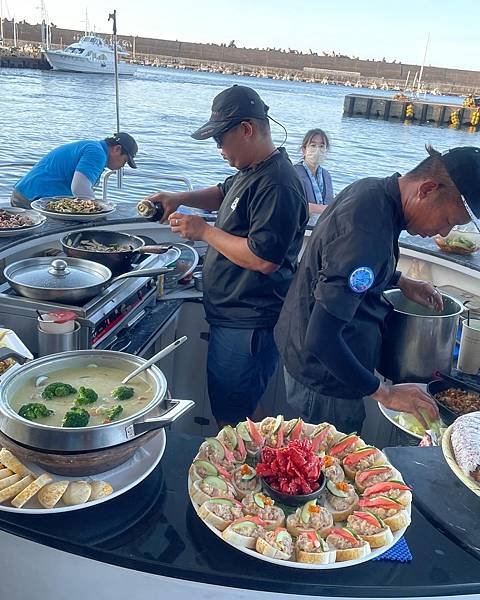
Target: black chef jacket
[266, 205]
[358, 233]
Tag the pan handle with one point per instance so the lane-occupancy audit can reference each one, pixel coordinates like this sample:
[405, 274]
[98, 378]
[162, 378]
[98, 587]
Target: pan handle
[153, 249]
[142, 273]
[176, 409]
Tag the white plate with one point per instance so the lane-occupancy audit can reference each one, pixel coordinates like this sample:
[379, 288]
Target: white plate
[297, 565]
[39, 206]
[390, 414]
[122, 478]
[37, 218]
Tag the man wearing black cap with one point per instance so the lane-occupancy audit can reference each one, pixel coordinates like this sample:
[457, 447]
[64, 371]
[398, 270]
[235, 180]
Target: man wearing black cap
[74, 169]
[252, 253]
[329, 331]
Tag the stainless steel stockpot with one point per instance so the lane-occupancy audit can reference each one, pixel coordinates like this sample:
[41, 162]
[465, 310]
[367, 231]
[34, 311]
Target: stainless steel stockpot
[84, 439]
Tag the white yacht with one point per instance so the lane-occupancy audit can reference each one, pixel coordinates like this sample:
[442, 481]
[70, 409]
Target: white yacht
[91, 54]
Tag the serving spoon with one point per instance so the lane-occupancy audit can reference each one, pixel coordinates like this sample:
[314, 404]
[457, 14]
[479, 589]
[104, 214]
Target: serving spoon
[173, 346]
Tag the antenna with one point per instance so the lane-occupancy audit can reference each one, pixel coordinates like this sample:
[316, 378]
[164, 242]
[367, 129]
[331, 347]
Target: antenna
[423, 64]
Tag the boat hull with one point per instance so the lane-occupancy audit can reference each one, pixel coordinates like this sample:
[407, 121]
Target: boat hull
[62, 61]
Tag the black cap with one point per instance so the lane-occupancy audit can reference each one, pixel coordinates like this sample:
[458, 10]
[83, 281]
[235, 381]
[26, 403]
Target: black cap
[463, 167]
[230, 107]
[129, 146]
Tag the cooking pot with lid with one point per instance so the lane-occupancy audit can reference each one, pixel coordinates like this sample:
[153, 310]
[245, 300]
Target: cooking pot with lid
[418, 341]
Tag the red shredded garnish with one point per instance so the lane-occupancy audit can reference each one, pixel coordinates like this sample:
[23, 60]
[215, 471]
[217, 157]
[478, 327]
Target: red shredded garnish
[294, 469]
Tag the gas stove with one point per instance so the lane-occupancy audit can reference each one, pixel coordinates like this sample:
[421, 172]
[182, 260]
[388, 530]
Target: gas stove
[102, 319]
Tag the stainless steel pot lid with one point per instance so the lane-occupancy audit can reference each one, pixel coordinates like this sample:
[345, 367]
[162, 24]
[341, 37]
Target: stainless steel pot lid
[57, 274]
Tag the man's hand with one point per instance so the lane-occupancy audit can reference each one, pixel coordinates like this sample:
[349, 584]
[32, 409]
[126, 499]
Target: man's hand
[407, 397]
[168, 200]
[422, 292]
[188, 226]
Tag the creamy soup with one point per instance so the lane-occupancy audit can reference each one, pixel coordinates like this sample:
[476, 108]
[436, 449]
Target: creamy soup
[99, 378]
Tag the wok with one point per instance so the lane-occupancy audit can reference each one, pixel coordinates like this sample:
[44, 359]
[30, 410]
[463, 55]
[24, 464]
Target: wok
[69, 281]
[118, 261]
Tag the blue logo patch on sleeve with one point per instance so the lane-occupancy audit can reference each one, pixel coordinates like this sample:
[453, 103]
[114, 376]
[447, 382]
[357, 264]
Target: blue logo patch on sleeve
[361, 279]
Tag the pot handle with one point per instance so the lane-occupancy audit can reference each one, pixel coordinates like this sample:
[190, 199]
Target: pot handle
[177, 408]
[153, 249]
[9, 353]
[142, 273]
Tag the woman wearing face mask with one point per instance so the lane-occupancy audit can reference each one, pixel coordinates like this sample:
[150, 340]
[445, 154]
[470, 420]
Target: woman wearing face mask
[317, 182]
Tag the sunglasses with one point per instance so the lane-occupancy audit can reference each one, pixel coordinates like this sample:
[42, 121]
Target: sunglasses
[220, 136]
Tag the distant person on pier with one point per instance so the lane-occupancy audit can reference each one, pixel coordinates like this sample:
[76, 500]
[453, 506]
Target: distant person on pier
[74, 169]
[316, 181]
[253, 249]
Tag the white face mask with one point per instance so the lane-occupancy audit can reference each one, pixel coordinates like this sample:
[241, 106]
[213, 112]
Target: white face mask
[314, 155]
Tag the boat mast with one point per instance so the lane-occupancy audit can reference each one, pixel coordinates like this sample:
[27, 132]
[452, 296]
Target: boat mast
[14, 33]
[423, 64]
[1, 20]
[113, 17]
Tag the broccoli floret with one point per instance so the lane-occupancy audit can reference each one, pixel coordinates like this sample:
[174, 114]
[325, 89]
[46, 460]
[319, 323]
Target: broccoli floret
[76, 417]
[123, 393]
[86, 396]
[113, 412]
[57, 390]
[34, 410]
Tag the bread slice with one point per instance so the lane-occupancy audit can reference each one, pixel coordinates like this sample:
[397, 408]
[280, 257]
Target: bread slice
[12, 490]
[341, 515]
[377, 540]
[77, 492]
[315, 558]
[5, 473]
[24, 496]
[100, 489]
[267, 549]
[10, 461]
[50, 494]
[5, 483]
[398, 521]
[353, 553]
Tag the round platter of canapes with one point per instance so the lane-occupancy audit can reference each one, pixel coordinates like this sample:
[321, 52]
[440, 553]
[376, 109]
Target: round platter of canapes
[299, 495]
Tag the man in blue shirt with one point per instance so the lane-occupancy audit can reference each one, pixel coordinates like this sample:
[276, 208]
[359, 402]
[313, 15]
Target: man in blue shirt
[74, 169]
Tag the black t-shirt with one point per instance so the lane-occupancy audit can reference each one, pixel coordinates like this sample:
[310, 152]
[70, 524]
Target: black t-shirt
[266, 205]
[355, 243]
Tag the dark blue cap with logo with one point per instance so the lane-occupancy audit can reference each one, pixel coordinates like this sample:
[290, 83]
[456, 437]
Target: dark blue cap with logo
[463, 167]
[232, 106]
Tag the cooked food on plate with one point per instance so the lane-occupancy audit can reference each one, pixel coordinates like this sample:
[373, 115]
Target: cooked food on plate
[81, 397]
[456, 244]
[465, 439]
[359, 499]
[19, 485]
[460, 401]
[9, 220]
[74, 206]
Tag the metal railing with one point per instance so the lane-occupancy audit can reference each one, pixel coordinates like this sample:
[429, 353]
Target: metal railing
[145, 175]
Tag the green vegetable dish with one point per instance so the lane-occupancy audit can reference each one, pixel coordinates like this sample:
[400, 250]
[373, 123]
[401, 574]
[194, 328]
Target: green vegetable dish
[34, 410]
[123, 393]
[86, 396]
[76, 417]
[58, 390]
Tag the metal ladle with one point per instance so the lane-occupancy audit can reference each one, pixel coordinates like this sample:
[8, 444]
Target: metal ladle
[155, 358]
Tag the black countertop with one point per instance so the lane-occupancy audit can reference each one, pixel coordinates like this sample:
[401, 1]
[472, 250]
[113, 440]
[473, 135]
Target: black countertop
[153, 528]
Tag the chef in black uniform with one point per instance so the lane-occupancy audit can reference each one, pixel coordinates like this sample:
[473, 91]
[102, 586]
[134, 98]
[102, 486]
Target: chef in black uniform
[330, 328]
[253, 249]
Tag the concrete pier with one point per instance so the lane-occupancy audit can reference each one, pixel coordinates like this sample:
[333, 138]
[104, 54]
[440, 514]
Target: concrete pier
[23, 62]
[411, 110]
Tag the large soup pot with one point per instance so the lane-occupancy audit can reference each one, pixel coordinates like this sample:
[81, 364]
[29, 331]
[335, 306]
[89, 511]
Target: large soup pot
[158, 413]
[417, 340]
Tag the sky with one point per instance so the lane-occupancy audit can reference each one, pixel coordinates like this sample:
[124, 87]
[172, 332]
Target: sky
[372, 29]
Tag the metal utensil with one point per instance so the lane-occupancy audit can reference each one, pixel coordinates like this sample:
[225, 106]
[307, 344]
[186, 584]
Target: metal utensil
[155, 358]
